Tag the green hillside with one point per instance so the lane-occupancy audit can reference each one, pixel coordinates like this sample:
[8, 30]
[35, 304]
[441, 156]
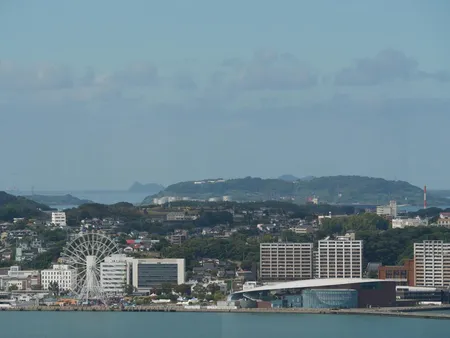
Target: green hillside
[17, 206]
[330, 189]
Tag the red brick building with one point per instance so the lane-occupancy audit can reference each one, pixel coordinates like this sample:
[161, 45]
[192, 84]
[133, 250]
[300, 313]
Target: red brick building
[401, 274]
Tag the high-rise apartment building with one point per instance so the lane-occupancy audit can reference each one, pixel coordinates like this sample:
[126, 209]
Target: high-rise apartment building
[338, 258]
[286, 261]
[432, 264]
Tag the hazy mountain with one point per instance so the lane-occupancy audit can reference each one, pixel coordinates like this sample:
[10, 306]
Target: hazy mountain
[329, 189]
[288, 178]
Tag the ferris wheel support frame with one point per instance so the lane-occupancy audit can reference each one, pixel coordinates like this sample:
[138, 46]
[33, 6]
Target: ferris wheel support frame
[84, 254]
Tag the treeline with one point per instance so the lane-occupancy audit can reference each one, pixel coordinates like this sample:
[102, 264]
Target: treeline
[394, 245]
[122, 210]
[366, 221]
[236, 248]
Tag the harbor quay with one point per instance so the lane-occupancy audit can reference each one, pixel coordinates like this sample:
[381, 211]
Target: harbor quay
[426, 312]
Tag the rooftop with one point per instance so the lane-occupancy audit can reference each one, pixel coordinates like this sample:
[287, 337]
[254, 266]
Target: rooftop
[312, 283]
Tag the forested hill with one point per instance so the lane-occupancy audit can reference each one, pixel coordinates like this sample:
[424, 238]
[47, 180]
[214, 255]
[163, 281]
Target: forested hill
[16, 206]
[330, 189]
[58, 199]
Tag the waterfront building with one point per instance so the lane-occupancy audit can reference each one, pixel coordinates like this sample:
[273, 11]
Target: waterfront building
[340, 258]
[324, 293]
[59, 218]
[150, 273]
[402, 275]
[432, 264]
[61, 274]
[113, 274]
[330, 298]
[286, 261]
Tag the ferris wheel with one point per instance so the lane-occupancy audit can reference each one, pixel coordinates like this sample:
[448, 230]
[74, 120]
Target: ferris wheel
[84, 254]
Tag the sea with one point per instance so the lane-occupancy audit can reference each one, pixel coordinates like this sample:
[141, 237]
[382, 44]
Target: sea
[213, 325]
[136, 198]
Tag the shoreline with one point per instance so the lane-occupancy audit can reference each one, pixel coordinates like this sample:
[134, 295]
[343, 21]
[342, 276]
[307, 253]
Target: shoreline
[390, 312]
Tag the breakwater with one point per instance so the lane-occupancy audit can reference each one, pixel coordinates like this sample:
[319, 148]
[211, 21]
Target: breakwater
[412, 312]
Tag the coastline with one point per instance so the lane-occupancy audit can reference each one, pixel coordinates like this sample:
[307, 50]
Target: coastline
[390, 312]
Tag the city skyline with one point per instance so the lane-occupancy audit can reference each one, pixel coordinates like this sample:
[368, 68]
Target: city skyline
[99, 95]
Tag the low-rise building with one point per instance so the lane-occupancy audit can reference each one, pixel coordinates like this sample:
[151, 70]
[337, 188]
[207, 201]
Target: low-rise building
[59, 218]
[400, 223]
[63, 275]
[179, 216]
[178, 237]
[388, 210]
[444, 219]
[401, 275]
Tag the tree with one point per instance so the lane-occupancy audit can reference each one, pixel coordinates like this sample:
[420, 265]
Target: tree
[53, 287]
[213, 288]
[166, 288]
[218, 296]
[183, 289]
[128, 289]
[199, 291]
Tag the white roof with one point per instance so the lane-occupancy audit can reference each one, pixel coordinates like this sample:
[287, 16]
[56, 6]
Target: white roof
[312, 283]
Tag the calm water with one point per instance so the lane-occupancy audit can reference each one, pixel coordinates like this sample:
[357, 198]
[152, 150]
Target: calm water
[212, 325]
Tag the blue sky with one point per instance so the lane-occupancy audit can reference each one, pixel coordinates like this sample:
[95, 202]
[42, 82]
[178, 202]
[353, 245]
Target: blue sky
[98, 94]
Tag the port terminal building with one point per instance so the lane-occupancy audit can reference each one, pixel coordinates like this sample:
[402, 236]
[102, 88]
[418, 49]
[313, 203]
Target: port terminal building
[321, 293]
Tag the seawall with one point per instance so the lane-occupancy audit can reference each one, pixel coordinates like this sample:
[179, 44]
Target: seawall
[412, 312]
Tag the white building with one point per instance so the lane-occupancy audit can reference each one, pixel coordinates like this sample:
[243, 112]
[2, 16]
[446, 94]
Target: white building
[178, 216]
[61, 274]
[150, 273]
[339, 258]
[59, 218]
[16, 272]
[22, 279]
[432, 263]
[113, 273]
[388, 210]
[286, 261]
[400, 223]
[444, 219]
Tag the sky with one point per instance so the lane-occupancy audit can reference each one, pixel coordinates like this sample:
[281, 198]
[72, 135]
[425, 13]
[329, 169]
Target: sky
[99, 94]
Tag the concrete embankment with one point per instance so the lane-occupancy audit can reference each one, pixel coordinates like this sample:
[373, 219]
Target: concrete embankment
[411, 312]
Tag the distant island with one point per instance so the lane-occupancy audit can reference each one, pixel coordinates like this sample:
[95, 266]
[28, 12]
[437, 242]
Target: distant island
[58, 199]
[328, 189]
[150, 188]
